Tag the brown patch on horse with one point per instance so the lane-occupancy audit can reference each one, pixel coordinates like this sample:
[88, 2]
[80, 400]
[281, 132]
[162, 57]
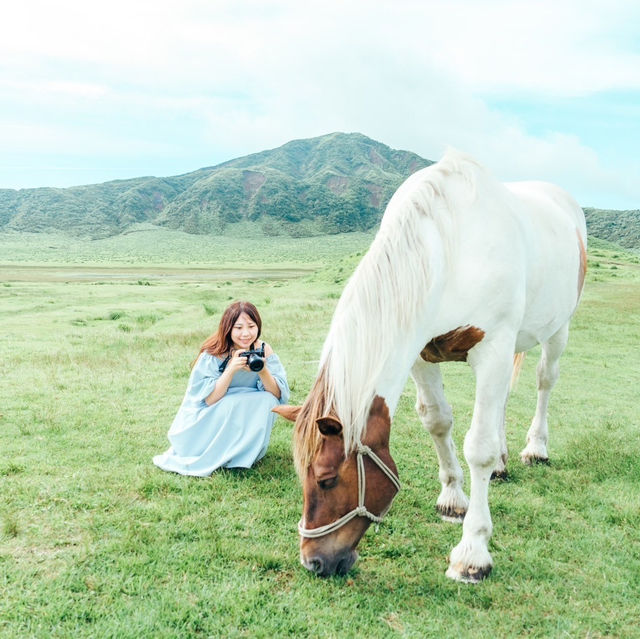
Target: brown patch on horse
[583, 263]
[452, 346]
[379, 422]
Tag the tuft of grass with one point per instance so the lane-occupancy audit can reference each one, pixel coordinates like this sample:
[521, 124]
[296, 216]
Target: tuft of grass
[146, 320]
[9, 526]
[11, 468]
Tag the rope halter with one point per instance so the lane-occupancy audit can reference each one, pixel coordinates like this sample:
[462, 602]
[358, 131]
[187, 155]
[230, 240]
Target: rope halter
[361, 509]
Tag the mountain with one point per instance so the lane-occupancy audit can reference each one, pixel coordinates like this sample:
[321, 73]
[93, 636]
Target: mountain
[329, 184]
[620, 227]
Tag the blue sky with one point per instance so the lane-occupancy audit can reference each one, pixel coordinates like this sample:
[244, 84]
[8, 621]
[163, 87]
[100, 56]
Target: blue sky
[539, 89]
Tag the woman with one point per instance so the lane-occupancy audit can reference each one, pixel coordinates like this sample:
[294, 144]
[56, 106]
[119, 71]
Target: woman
[225, 419]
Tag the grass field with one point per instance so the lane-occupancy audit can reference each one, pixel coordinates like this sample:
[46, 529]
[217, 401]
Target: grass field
[97, 542]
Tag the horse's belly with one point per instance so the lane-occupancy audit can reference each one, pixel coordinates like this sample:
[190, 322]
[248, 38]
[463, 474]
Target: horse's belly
[543, 321]
[526, 341]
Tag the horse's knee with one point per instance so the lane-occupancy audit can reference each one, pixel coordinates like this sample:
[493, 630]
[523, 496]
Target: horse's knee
[437, 421]
[421, 409]
[482, 450]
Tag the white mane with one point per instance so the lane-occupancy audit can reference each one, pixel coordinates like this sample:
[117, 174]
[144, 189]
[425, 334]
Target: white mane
[381, 300]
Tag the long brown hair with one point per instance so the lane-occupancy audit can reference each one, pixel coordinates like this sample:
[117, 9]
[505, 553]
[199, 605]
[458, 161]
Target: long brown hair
[220, 343]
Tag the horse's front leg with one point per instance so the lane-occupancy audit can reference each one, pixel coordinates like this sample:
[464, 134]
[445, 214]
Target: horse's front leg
[500, 471]
[436, 416]
[470, 560]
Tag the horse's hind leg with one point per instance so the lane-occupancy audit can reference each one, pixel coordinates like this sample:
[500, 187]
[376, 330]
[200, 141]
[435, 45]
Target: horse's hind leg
[436, 416]
[547, 374]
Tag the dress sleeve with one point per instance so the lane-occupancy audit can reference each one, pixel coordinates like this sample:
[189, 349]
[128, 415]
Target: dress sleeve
[279, 374]
[203, 378]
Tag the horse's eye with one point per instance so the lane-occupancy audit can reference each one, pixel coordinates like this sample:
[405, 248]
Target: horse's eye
[325, 484]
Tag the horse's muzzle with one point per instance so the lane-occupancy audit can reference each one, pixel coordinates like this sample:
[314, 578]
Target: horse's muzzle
[327, 566]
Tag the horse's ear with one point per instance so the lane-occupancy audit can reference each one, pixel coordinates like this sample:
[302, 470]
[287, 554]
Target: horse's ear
[288, 412]
[329, 425]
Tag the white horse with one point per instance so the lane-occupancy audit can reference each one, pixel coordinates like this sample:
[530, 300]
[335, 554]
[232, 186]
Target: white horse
[463, 268]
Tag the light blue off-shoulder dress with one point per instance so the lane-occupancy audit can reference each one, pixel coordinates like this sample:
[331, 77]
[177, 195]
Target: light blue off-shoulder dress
[232, 433]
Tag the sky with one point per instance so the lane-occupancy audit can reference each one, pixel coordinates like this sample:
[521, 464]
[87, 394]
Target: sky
[93, 91]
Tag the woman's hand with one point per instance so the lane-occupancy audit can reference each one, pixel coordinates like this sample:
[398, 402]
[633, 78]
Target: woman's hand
[267, 378]
[236, 363]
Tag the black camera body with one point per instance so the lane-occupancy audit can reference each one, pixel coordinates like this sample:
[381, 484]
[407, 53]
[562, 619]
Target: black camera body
[255, 358]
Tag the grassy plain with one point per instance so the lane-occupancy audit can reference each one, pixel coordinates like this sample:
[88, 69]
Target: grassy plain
[97, 542]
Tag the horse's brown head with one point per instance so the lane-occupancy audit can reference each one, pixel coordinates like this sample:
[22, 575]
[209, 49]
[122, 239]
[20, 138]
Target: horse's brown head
[342, 493]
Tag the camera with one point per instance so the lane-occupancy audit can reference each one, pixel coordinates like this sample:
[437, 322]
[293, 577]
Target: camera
[255, 358]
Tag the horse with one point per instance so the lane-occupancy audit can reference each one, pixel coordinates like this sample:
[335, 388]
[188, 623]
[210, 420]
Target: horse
[462, 268]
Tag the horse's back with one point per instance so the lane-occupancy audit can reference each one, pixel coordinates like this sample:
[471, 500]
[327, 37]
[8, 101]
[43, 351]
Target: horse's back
[555, 239]
[520, 256]
[549, 203]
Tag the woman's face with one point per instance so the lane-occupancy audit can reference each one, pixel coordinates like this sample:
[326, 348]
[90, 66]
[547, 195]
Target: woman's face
[244, 332]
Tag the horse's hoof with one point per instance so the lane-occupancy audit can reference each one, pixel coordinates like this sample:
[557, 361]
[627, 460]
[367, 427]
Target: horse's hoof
[468, 574]
[451, 514]
[532, 460]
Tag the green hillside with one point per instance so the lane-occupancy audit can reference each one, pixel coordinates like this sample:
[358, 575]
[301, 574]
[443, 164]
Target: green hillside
[620, 227]
[330, 184]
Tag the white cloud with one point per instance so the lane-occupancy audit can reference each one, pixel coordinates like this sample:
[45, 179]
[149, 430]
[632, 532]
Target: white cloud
[63, 139]
[212, 80]
[563, 47]
[559, 46]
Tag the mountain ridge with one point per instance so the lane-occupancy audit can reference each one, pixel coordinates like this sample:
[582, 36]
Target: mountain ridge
[335, 183]
[330, 184]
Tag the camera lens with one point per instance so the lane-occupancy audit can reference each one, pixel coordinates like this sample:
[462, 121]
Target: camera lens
[255, 362]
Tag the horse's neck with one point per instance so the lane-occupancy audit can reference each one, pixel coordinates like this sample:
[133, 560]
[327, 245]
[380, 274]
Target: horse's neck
[395, 372]
[378, 327]
[377, 367]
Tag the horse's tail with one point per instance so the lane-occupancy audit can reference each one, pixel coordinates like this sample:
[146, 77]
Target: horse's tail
[518, 361]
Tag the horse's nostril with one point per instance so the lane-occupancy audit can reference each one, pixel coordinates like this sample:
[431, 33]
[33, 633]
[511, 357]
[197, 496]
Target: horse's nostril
[345, 563]
[316, 565]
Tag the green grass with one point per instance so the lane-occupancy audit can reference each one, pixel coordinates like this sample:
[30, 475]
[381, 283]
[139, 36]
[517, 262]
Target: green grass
[147, 245]
[97, 542]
